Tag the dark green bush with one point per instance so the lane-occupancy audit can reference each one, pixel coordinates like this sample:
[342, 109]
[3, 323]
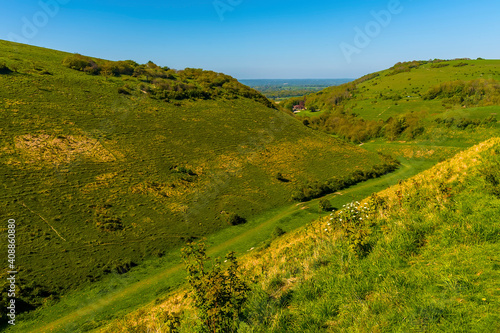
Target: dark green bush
[4, 69]
[235, 219]
[78, 62]
[325, 205]
[277, 232]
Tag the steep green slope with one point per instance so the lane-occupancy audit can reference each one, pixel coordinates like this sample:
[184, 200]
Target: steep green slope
[423, 256]
[102, 169]
[429, 101]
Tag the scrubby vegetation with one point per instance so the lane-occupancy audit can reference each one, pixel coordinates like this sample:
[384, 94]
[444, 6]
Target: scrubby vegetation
[317, 189]
[219, 295]
[405, 106]
[479, 92]
[115, 164]
[421, 255]
[165, 83]
[110, 175]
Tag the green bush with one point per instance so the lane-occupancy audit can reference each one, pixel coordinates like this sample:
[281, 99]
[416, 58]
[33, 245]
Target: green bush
[235, 219]
[325, 205]
[4, 69]
[219, 295]
[78, 62]
[277, 232]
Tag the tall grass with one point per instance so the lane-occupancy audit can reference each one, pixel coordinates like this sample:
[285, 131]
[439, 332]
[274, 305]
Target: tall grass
[432, 263]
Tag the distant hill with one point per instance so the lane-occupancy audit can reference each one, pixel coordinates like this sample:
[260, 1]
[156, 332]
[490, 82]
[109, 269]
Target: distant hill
[104, 164]
[410, 101]
[294, 82]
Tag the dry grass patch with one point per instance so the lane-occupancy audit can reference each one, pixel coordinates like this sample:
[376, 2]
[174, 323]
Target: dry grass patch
[61, 149]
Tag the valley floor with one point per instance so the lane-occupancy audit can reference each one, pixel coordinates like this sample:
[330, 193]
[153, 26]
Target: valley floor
[116, 295]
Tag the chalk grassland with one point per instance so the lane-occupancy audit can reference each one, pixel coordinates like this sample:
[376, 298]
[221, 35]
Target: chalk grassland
[403, 87]
[101, 173]
[431, 263]
[423, 109]
[153, 281]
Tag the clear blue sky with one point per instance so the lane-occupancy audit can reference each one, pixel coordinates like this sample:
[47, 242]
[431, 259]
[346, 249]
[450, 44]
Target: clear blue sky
[260, 38]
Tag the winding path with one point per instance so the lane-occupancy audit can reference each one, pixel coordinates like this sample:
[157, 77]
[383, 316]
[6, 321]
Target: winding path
[67, 322]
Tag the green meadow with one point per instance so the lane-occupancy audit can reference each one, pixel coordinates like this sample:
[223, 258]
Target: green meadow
[107, 164]
[111, 167]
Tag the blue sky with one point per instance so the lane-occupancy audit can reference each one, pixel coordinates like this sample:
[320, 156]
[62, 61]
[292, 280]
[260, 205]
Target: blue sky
[260, 39]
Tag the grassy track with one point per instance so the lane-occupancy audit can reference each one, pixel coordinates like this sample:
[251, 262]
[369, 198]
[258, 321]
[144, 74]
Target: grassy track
[78, 309]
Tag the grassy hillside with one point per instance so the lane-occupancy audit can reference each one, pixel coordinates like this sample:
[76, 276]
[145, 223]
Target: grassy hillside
[425, 257]
[104, 164]
[434, 102]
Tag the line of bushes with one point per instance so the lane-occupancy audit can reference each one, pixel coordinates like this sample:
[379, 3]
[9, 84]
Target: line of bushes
[165, 83]
[318, 189]
[352, 128]
[474, 92]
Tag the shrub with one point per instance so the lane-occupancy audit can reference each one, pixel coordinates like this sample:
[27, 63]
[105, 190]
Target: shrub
[325, 205]
[353, 220]
[277, 232]
[123, 91]
[219, 295]
[4, 69]
[235, 219]
[280, 177]
[439, 65]
[186, 171]
[78, 62]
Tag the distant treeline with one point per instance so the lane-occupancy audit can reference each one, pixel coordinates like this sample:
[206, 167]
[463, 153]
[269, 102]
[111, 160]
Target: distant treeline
[165, 83]
[318, 189]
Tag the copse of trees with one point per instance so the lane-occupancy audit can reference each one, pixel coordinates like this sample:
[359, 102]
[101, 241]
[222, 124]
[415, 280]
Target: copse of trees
[470, 93]
[351, 127]
[165, 83]
[94, 66]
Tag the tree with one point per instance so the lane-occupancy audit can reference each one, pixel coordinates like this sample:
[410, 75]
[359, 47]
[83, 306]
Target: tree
[141, 70]
[107, 70]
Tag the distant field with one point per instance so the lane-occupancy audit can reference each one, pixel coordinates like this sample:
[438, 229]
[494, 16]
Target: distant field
[279, 89]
